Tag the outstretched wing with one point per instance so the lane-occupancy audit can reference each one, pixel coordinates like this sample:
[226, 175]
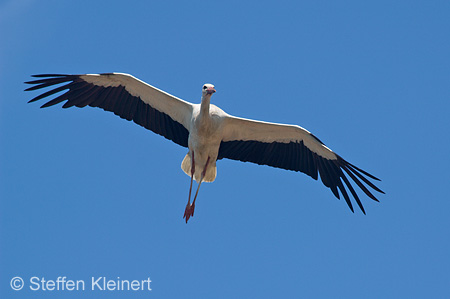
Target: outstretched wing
[293, 148]
[126, 96]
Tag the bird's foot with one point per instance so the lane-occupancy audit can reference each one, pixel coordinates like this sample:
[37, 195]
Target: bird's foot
[189, 212]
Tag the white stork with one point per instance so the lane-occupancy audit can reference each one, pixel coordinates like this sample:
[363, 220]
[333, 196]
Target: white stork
[207, 131]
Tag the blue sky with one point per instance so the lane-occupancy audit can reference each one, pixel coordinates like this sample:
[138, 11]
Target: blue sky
[86, 194]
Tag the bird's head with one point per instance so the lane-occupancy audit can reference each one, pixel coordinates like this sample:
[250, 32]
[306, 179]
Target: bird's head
[208, 89]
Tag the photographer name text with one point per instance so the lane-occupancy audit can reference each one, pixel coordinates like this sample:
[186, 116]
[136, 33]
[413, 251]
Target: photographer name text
[62, 283]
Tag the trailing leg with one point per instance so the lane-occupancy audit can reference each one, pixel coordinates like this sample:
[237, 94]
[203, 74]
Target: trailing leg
[189, 211]
[190, 207]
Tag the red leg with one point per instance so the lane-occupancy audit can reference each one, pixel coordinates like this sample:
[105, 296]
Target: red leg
[189, 211]
[201, 180]
[190, 207]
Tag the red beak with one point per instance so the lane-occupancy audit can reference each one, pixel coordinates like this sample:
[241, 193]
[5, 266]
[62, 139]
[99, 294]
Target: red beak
[210, 90]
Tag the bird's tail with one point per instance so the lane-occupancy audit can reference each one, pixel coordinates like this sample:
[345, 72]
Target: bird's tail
[210, 174]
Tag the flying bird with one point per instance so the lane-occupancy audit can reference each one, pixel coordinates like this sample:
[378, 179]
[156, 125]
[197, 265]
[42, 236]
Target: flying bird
[207, 131]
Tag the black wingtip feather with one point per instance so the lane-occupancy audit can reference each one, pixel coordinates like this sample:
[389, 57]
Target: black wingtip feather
[50, 92]
[350, 187]
[333, 169]
[352, 173]
[365, 180]
[359, 169]
[48, 75]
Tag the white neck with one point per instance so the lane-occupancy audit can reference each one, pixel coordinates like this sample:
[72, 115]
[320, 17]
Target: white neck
[204, 107]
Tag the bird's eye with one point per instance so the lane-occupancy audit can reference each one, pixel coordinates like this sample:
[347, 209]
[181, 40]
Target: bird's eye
[205, 87]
